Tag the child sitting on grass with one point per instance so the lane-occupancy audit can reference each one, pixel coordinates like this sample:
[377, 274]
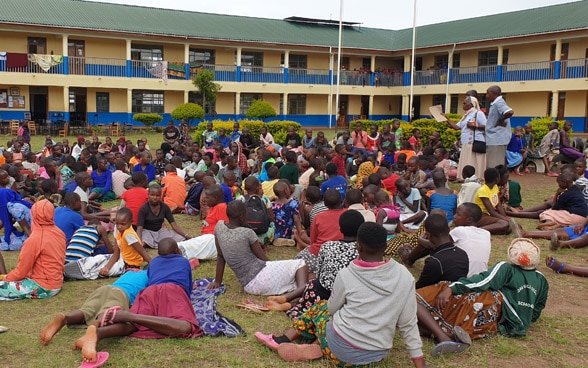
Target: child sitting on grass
[286, 216]
[470, 186]
[493, 217]
[409, 201]
[239, 246]
[357, 325]
[174, 189]
[442, 197]
[131, 247]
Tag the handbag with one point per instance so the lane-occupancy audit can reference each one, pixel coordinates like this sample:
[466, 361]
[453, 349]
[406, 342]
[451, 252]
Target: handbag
[478, 146]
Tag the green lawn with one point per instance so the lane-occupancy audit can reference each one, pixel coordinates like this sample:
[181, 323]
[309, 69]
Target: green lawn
[558, 339]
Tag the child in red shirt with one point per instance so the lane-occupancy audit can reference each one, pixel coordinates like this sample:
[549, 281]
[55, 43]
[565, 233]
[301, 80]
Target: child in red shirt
[135, 197]
[218, 209]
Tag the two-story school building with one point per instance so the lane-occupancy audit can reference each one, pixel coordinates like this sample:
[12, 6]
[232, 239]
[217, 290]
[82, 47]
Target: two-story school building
[97, 63]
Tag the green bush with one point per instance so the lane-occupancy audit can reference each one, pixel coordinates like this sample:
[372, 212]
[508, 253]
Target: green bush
[188, 111]
[278, 129]
[260, 109]
[426, 126]
[148, 119]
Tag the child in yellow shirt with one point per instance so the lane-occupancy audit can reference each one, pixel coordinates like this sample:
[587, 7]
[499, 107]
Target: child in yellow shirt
[131, 247]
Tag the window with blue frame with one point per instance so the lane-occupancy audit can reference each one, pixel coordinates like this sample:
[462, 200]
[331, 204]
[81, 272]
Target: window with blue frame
[295, 61]
[250, 60]
[487, 58]
[147, 101]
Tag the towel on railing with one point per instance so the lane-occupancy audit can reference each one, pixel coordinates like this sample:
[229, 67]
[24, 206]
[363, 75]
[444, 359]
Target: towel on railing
[159, 71]
[15, 60]
[45, 62]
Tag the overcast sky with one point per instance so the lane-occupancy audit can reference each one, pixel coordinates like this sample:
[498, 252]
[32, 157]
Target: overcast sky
[388, 14]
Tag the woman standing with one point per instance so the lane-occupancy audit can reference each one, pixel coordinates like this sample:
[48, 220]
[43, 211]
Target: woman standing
[39, 271]
[472, 126]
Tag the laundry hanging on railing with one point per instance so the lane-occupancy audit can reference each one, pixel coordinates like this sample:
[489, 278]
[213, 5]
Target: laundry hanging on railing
[45, 62]
[16, 60]
[159, 71]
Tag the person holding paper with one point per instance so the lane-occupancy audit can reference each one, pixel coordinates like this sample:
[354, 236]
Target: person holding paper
[472, 126]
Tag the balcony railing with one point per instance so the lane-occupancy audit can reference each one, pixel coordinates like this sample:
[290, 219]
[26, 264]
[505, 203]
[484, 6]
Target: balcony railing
[97, 66]
[105, 67]
[528, 71]
[576, 68]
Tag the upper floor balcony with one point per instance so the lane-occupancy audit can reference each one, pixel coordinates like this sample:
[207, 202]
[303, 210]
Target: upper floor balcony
[105, 67]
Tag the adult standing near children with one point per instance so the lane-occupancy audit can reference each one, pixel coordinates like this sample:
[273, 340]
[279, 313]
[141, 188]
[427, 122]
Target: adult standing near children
[498, 131]
[39, 271]
[472, 126]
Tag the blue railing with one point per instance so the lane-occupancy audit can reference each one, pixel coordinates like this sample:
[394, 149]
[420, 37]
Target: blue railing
[474, 74]
[309, 76]
[105, 67]
[528, 71]
[576, 68]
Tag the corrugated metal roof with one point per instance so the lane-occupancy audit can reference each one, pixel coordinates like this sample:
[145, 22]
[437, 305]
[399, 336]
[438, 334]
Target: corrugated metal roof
[142, 20]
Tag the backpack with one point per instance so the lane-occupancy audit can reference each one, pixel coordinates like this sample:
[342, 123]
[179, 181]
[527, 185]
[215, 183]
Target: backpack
[257, 217]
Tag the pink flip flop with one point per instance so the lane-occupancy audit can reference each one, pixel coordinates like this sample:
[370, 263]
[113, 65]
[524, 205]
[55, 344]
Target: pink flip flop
[106, 320]
[101, 358]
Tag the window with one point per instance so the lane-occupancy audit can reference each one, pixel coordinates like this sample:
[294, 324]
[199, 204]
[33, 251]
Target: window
[442, 61]
[439, 100]
[366, 63]
[454, 104]
[486, 58]
[246, 101]
[202, 56]
[196, 97]
[148, 101]
[102, 102]
[295, 61]
[146, 52]
[36, 45]
[252, 59]
[296, 104]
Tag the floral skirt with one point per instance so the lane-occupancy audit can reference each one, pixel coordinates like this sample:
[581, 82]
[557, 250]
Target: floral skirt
[313, 293]
[478, 313]
[312, 325]
[18, 212]
[24, 289]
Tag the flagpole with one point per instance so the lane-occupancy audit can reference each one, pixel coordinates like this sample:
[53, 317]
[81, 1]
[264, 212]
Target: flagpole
[410, 107]
[449, 67]
[339, 59]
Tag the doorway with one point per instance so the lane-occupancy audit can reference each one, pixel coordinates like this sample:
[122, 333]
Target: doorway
[343, 107]
[365, 107]
[561, 106]
[78, 106]
[76, 54]
[39, 97]
[417, 107]
[565, 47]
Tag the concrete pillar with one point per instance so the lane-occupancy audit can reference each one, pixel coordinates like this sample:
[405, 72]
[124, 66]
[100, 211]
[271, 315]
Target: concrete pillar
[287, 59]
[405, 107]
[285, 104]
[371, 107]
[237, 103]
[373, 63]
[66, 100]
[186, 53]
[554, 103]
[186, 93]
[128, 49]
[64, 48]
[500, 55]
[558, 50]
[407, 61]
[238, 56]
[129, 100]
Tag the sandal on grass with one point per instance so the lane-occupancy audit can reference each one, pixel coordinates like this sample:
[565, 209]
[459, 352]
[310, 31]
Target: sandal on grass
[550, 262]
[449, 347]
[3, 329]
[108, 316]
[460, 335]
[101, 358]
[255, 304]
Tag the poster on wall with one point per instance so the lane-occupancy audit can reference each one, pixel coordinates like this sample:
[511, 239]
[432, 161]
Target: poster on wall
[3, 98]
[16, 102]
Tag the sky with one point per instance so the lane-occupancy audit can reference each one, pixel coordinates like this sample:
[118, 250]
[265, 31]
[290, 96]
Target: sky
[387, 14]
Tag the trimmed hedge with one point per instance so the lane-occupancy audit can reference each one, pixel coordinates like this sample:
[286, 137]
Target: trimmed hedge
[278, 129]
[541, 127]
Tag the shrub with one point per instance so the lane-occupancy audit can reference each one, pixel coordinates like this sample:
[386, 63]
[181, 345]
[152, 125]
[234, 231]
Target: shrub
[260, 109]
[278, 129]
[426, 126]
[148, 119]
[188, 111]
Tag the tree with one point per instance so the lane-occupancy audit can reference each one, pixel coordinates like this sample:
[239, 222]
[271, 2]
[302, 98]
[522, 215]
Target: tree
[188, 111]
[148, 119]
[204, 82]
[260, 109]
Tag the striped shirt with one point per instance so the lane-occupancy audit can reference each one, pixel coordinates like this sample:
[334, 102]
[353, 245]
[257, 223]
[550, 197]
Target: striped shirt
[82, 243]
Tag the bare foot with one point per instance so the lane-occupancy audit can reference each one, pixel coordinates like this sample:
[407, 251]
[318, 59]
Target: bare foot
[87, 344]
[52, 328]
[275, 306]
[277, 298]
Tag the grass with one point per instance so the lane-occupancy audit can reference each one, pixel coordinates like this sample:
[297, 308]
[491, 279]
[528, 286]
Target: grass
[557, 339]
